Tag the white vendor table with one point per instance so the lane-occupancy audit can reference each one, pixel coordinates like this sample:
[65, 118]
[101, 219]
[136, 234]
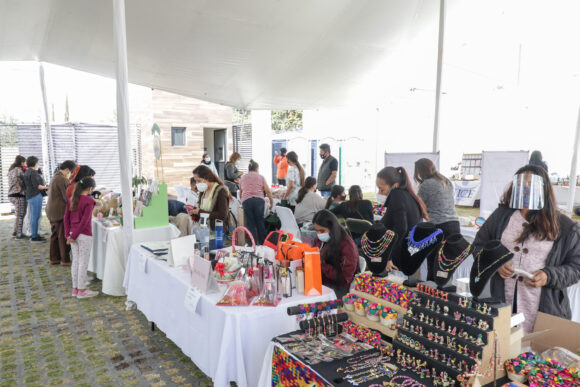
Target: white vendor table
[226, 343]
[107, 259]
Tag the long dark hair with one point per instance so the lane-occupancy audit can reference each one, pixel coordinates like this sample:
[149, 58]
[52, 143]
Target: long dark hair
[17, 162]
[84, 171]
[355, 195]
[292, 156]
[207, 174]
[426, 169]
[392, 176]
[336, 190]
[542, 224]
[332, 256]
[82, 184]
[309, 183]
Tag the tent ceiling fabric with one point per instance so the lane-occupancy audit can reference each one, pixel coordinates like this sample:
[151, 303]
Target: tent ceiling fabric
[257, 54]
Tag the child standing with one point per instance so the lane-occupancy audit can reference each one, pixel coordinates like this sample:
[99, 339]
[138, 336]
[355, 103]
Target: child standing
[77, 229]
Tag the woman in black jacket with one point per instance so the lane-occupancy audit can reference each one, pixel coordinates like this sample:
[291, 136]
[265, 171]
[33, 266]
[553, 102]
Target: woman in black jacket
[404, 208]
[560, 265]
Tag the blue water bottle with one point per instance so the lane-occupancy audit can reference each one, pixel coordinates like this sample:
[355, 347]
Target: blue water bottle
[219, 234]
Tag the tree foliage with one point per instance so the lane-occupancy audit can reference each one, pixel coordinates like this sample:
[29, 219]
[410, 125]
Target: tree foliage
[286, 120]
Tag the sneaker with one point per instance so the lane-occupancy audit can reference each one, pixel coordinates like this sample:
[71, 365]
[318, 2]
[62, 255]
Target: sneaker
[75, 292]
[14, 234]
[38, 239]
[87, 293]
[20, 237]
[65, 263]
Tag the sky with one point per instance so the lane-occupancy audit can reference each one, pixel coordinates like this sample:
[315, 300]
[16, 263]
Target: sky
[511, 81]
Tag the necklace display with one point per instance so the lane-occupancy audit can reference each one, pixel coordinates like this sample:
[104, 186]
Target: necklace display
[446, 264]
[375, 249]
[415, 246]
[478, 260]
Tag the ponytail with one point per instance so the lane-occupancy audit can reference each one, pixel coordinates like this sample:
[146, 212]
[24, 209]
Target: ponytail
[309, 183]
[83, 184]
[399, 176]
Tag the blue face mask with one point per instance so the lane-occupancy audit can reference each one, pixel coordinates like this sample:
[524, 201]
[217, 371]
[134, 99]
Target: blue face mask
[324, 237]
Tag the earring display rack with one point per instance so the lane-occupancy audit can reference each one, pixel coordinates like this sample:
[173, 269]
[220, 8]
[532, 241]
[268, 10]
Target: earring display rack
[426, 334]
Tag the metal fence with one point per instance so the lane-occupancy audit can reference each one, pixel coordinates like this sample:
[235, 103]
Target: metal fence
[95, 145]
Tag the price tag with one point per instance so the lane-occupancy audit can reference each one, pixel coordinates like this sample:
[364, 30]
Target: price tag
[192, 299]
[143, 264]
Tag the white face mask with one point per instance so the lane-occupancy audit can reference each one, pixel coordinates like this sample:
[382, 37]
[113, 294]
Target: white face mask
[207, 159]
[324, 237]
[381, 199]
[201, 187]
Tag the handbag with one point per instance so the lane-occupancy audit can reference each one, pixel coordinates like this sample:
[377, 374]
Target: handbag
[275, 237]
[291, 250]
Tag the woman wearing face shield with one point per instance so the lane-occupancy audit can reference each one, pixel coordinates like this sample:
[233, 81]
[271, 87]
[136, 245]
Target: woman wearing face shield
[338, 253]
[544, 242]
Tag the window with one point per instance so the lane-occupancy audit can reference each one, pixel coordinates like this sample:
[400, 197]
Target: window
[177, 136]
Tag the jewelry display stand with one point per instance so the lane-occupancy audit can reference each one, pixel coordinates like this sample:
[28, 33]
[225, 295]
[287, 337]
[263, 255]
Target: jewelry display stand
[448, 257]
[377, 326]
[446, 313]
[314, 307]
[421, 241]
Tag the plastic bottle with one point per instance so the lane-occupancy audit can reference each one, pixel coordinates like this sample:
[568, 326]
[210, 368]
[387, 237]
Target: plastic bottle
[219, 234]
[204, 231]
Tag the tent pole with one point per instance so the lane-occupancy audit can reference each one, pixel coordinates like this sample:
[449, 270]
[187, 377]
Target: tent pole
[439, 70]
[46, 133]
[573, 173]
[123, 120]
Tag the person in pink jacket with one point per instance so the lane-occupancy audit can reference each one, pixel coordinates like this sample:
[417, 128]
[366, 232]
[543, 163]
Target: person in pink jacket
[338, 252]
[78, 231]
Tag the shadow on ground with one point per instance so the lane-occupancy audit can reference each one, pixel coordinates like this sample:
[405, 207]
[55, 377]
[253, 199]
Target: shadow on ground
[48, 338]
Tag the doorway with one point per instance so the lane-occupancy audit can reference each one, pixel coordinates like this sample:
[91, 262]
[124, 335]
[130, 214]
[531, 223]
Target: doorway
[215, 142]
[276, 146]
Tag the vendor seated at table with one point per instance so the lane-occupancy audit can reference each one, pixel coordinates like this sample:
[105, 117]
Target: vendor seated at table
[214, 196]
[308, 202]
[336, 197]
[177, 207]
[355, 207]
[338, 253]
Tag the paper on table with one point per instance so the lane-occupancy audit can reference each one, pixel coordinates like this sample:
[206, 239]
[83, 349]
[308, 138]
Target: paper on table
[181, 249]
[191, 299]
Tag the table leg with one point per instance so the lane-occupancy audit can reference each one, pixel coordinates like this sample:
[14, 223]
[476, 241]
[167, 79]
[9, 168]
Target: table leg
[152, 326]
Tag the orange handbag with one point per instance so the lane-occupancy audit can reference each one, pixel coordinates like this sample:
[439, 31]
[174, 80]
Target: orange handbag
[291, 251]
[312, 272]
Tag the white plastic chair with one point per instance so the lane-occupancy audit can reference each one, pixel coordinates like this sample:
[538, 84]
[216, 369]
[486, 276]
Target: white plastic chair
[288, 221]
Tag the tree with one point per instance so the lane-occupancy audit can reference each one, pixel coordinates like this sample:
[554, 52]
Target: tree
[286, 120]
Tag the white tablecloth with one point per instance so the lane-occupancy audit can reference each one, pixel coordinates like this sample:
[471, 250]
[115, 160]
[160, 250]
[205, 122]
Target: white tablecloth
[226, 343]
[107, 259]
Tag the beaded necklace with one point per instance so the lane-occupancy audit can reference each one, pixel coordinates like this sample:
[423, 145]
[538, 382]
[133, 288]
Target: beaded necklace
[375, 249]
[414, 247]
[446, 264]
[478, 259]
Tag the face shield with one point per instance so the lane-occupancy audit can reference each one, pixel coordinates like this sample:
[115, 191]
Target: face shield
[527, 192]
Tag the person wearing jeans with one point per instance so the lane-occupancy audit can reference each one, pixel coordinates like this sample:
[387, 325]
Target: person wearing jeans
[252, 188]
[34, 184]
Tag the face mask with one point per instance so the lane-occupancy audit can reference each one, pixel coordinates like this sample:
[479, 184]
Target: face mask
[381, 198]
[68, 175]
[201, 187]
[207, 160]
[322, 156]
[324, 237]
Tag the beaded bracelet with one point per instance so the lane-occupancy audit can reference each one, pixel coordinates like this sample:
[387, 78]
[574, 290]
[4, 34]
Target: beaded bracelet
[365, 335]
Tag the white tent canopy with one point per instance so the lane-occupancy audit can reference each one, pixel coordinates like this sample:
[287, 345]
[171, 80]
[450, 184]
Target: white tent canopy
[251, 54]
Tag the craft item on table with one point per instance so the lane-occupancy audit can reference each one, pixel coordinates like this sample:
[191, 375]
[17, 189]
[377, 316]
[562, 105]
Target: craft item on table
[268, 296]
[365, 335]
[388, 317]
[453, 251]
[226, 269]
[286, 371]
[360, 306]
[291, 250]
[317, 308]
[550, 372]
[422, 241]
[235, 295]
[377, 244]
[349, 300]
[285, 283]
[383, 289]
[568, 358]
[373, 311]
[519, 367]
[486, 262]
[379, 209]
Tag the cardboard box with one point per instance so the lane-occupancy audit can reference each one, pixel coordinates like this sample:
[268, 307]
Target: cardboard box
[551, 331]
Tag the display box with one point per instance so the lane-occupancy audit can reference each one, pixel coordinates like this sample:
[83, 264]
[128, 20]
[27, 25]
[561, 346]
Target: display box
[551, 331]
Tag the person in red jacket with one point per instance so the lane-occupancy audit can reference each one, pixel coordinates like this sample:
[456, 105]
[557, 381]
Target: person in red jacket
[338, 252]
